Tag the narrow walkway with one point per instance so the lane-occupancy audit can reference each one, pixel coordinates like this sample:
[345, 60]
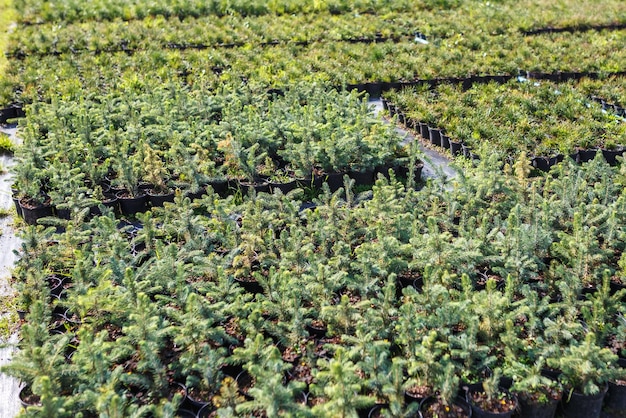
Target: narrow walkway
[9, 387]
[435, 163]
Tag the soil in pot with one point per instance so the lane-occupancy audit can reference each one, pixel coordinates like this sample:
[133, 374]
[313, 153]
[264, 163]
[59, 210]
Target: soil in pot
[577, 405]
[31, 212]
[434, 408]
[501, 406]
[417, 394]
[316, 329]
[28, 398]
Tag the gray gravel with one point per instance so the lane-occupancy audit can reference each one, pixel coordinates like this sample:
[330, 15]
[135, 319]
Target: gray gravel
[9, 387]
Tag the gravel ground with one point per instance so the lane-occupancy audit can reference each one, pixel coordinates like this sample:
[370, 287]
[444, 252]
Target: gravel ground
[9, 387]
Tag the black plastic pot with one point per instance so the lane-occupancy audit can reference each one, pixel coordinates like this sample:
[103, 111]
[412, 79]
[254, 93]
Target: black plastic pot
[132, 205]
[245, 383]
[585, 155]
[158, 200]
[616, 287]
[409, 398]
[111, 203]
[385, 103]
[8, 113]
[541, 163]
[435, 136]
[459, 402]
[260, 186]
[32, 214]
[21, 314]
[478, 412]
[610, 155]
[424, 131]
[445, 141]
[197, 194]
[205, 411]
[577, 405]
[362, 177]
[467, 151]
[372, 412]
[185, 413]
[456, 148]
[403, 171]
[63, 213]
[316, 331]
[194, 405]
[16, 202]
[334, 181]
[220, 186]
[56, 285]
[401, 116]
[615, 401]
[251, 286]
[284, 187]
[537, 410]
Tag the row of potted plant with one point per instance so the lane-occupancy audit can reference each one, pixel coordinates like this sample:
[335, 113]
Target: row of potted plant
[528, 15]
[38, 11]
[492, 281]
[204, 32]
[142, 141]
[539, 118]
[337, 62]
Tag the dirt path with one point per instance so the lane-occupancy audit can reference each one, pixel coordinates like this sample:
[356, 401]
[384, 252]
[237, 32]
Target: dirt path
[9, 387]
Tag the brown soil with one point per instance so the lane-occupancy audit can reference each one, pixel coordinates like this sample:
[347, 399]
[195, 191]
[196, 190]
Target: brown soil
[498, 404]
[291, 354]
[29, 397]
[618, 280]
[438, 410]
[409, 275]
[419, 391]
[301, 372]
[199, 395]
